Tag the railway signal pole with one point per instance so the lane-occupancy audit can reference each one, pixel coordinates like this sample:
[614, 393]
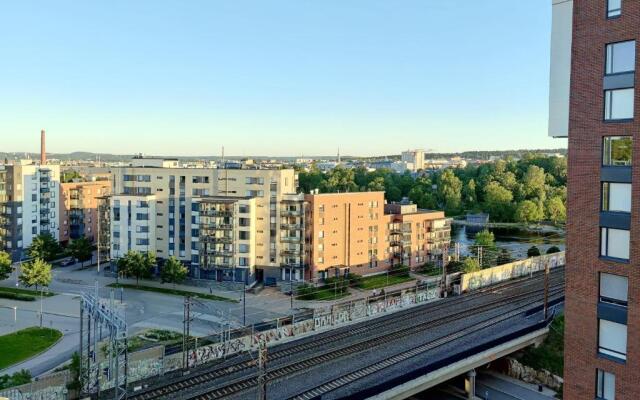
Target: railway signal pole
[186, 332]
[262, 369]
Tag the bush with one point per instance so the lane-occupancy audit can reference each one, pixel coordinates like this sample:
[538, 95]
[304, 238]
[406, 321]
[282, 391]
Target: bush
[16, 296]
[454, 266]
[399, 270]
[533, 251]
[17, 379]
[553, 249]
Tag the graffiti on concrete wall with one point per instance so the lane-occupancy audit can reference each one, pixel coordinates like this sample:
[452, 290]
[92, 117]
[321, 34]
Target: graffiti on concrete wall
[490, 276]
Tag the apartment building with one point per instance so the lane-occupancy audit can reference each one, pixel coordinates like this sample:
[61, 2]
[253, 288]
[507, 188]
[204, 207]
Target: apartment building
[225, 238]
[593, 103]
[358, 233]
[178, 195]
[79, 209]
[28, 204]
[413, 160]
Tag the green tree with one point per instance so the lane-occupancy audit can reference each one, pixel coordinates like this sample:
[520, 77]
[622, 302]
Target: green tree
[376, 185]
[450, 191]
[173, 271]
[339, 179]
[556, 210]
[469, 195]
[529, 211]
[137, 264]
[81, 249]
[497, 202]
[533, 251]
[485, 242]
[504, 257]
[470, 264]
[44, 246]
[534, 182]
[35, 273]
[5, 265]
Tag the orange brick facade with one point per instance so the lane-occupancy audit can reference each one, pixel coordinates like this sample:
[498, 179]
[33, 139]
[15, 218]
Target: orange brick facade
[352, 231]
[79, 209]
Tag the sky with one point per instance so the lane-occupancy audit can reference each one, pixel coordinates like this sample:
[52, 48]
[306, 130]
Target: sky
[280, 78]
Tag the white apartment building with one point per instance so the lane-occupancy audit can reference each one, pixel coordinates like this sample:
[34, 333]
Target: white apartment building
[29, 196]
[178, 194]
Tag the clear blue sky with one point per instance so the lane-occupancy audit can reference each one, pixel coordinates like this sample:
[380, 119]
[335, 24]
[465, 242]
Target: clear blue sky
[274, 77]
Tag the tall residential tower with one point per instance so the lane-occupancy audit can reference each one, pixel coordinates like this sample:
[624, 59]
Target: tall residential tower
[592, 102]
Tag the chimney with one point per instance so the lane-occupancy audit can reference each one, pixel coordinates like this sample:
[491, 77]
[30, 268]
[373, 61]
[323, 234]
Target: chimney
[43, 150]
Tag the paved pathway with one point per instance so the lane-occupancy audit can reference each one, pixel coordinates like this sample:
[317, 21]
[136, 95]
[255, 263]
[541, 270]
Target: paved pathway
[500, 387]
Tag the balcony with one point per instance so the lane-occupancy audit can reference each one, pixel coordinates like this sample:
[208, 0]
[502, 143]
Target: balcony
[291, 239]
[290, 252]
[45, 190]
[291, 213]
[288, 226]
[221, 252]
[217, 213]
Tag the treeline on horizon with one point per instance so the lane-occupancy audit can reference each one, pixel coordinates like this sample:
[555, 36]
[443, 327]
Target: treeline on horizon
[476, 155]
[530, 190]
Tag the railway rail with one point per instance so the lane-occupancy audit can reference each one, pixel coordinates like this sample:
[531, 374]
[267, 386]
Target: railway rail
[390, 327]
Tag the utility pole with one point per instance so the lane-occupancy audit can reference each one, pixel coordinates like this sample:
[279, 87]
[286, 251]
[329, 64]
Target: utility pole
[546, 290]
[186, 327]
[291, 292]
[98, 240]
[262, 369]
[244, 303]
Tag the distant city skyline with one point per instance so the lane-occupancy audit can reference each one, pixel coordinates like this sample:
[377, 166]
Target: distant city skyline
[281, 78]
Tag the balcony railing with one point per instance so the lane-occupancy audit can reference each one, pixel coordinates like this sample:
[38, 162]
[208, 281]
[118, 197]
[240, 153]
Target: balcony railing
[291, 239]
[295, 227]
[290, 252]
[291, 213]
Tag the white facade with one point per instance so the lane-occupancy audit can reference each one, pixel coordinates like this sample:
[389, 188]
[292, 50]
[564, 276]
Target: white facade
[40, 207]
[133, 222]
[560, 71]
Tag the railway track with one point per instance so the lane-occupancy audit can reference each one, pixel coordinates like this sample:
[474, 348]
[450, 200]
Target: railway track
[241, 384]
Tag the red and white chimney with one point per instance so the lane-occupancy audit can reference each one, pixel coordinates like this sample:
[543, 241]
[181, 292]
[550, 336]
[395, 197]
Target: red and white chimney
[43, 150]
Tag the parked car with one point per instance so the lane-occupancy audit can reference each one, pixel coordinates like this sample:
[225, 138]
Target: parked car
[67, 262]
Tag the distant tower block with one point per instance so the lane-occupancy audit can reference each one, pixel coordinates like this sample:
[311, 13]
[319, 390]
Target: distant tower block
[43, 149]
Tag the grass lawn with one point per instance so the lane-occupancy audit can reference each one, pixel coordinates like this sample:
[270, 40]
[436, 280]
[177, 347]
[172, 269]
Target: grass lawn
[22, 294]
[175, 292]
[378, 281]
[323, 293]
[20, 345]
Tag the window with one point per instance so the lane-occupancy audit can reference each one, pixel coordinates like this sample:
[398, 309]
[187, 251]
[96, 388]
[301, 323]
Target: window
[617, 151]
[616, 197]
[612, 339]
[605, 385]
[614, 8]
[618, 104]
[614, 289]
[621, 57]
[614, 243]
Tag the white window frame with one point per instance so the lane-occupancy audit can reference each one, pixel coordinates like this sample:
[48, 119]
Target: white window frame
[612, 339]
[612, 49]
[614, 8]
[611, 236]
[605, 385]
[619, 104]
[614, 289]
[616, 197]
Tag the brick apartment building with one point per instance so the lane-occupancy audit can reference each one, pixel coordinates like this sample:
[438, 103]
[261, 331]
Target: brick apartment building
[79, 209]
[593, 103]
[359, 233]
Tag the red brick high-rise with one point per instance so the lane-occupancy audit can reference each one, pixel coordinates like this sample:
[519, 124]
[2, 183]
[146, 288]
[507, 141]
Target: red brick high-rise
[593, 102]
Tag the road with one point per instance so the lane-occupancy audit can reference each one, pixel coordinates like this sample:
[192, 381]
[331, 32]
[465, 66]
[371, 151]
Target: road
[143, 310]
